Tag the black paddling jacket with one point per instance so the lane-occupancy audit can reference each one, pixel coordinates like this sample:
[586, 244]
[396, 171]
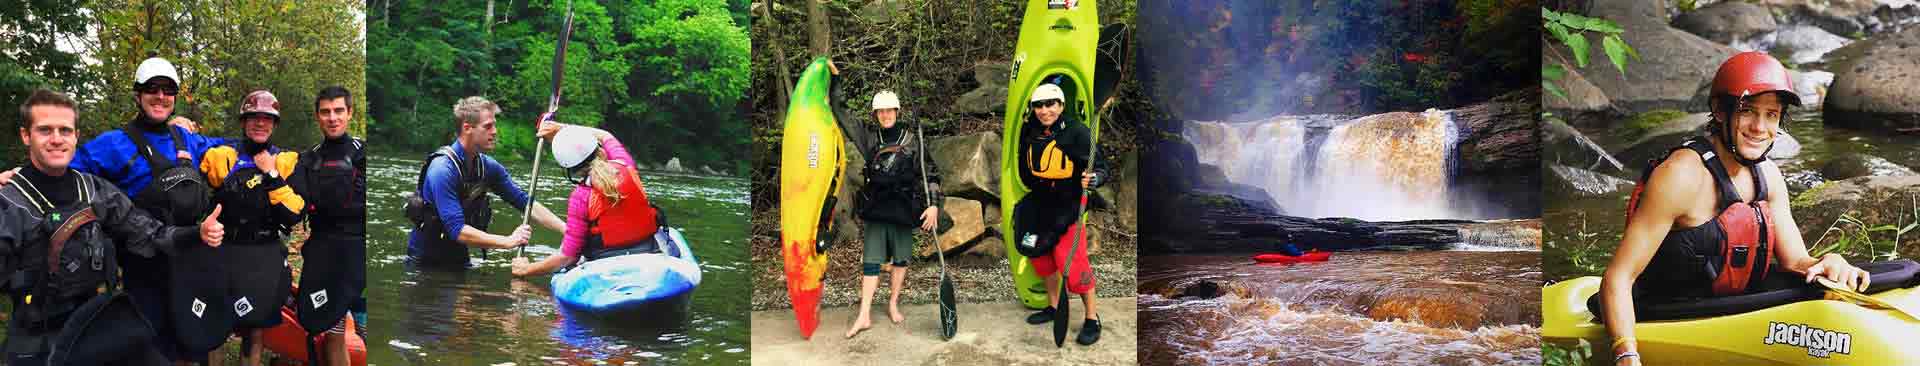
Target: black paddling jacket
[893, 193]
[45, 289]
[332, 176]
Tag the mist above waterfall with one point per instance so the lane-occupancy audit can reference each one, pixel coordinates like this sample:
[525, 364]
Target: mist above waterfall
[1393, 166]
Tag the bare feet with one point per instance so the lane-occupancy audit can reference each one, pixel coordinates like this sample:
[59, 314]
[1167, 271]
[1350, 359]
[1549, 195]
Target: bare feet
[893, 312]
[859, 325]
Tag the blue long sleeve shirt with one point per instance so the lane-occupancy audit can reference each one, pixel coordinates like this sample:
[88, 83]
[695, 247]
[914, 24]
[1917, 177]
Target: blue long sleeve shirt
[442, 187]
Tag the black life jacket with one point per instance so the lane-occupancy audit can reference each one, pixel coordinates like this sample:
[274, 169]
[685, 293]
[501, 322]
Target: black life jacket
[65, 260]
[893, 179]
[246, 209]
[337, 189]
[179, 193]
[1728, 255]
[474, 206]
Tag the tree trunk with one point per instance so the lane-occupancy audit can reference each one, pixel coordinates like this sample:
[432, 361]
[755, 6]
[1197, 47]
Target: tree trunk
[489, 20]
[779, 61]
[822, 41]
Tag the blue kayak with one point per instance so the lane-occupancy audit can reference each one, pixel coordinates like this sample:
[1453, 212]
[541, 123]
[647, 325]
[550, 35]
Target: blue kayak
[634, 283]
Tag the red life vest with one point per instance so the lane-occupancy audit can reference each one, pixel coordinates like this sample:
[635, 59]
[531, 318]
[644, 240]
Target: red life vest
[621, 225]
[1727, 255]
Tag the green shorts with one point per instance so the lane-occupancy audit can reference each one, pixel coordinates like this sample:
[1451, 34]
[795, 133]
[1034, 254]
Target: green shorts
[886, 243]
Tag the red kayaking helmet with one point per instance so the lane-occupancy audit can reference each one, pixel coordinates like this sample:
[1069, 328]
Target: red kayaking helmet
[1743, 76]
[1754, 73]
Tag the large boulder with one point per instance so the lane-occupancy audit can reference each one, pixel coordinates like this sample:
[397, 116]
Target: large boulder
[1652, 135]
[1726, 22]
[991, 96]
[969, 165]
[1582, 96]
[1673, 65]
[1873, 86]
[969, 224]
[1872, 200]
[1498, 155]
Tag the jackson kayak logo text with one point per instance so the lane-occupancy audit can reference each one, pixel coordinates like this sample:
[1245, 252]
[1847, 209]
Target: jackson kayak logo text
[813, 150]
[1819, 343]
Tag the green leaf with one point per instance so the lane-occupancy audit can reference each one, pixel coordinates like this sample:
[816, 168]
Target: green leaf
[1603, 25]
[1550, 15]
[1552, 72]
[1578, 43]
[1616, 52]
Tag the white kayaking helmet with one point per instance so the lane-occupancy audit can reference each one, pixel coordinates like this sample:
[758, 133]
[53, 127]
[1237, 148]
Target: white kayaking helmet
[885, 99]
[1047, 91]
[573, 146]
[155, 67]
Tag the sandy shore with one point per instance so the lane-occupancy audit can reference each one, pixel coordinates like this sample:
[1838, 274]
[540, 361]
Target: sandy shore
[991, 334]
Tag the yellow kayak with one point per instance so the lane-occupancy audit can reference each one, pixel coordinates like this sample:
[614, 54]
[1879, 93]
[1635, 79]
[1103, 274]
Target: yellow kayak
[811, 163]
[1810, 332]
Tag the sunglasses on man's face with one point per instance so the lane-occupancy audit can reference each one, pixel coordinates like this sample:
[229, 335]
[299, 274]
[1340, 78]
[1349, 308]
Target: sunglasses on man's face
[1044, 103]
[163, 88]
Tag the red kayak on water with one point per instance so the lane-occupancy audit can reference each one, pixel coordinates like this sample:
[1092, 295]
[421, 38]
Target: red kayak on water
[1314, 256]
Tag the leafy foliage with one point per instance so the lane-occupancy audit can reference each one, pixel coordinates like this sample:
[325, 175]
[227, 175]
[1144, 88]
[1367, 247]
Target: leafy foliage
[222, 51]
[1571, 30]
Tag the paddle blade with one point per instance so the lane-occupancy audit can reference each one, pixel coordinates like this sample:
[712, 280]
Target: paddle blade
[1060, 316]
[949, 315]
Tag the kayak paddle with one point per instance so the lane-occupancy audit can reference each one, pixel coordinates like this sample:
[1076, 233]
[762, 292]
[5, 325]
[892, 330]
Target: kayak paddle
[1060, 312]
[949, 317]
[553, 105]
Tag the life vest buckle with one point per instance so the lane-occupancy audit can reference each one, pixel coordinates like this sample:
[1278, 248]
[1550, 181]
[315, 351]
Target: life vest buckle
[1740, 256]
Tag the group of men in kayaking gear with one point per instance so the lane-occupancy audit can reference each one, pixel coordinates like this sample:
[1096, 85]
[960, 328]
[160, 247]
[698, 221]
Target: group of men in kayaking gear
[1711, 218]
[204, 224]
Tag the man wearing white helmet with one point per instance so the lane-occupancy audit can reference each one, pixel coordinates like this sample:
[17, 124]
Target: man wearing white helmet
[891, 204]
[608, 213]
[132, 157]
[1054, 155]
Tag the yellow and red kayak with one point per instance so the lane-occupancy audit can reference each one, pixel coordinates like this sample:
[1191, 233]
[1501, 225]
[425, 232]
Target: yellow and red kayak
[811, 163]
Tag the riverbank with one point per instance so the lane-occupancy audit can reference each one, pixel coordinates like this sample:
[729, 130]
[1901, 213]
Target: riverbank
[992, 333]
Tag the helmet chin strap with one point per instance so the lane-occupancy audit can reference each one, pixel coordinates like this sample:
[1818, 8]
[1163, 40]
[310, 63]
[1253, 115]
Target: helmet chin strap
[1726, 136]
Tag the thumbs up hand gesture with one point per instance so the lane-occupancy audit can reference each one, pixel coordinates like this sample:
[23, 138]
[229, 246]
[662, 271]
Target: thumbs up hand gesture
[211, 231]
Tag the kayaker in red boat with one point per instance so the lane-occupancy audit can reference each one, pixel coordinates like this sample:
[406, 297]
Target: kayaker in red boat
[1712, 218]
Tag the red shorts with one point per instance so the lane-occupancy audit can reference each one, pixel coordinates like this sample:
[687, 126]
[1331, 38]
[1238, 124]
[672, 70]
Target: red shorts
[1080, 280]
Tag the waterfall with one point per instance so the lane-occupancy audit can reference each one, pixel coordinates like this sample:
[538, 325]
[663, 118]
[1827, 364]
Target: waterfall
[1393, 166]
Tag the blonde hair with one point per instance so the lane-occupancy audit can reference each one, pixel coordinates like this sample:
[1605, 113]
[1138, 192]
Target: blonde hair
[468, 109]
[604, 176]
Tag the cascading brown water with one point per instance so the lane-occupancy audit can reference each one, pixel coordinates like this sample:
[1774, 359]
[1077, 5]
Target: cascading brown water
[1360, 308]
[1392, 166]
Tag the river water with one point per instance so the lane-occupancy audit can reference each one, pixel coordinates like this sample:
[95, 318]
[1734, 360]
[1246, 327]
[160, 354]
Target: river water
[485, 317]
[1358, 308]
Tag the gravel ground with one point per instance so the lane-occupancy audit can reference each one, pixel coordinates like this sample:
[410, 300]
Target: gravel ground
[976, 278]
